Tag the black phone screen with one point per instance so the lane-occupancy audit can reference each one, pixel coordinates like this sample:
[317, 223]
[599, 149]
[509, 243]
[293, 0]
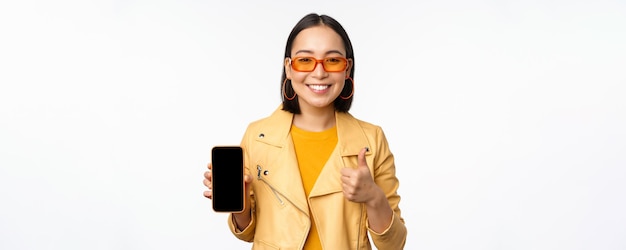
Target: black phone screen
[227, 178]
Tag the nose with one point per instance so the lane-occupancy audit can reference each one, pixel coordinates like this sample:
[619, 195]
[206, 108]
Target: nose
[319, 70]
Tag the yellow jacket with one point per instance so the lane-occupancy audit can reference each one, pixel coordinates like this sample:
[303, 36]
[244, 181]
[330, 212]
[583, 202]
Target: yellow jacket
[280, 211]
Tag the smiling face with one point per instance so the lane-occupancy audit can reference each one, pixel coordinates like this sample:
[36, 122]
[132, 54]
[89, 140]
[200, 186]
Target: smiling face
[317, 89]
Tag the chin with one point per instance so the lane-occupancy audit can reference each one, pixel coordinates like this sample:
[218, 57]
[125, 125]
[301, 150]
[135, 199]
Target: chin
[320, 104]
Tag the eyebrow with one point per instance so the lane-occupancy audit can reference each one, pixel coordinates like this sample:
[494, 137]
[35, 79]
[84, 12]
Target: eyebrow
[311, 52]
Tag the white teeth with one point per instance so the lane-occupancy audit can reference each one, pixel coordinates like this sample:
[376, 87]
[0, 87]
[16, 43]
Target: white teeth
[319, 87]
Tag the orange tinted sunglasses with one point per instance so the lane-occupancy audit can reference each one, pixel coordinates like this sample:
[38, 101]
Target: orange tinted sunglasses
[330, 64]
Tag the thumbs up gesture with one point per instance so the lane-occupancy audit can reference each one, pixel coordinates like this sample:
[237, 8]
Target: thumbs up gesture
[358, 185]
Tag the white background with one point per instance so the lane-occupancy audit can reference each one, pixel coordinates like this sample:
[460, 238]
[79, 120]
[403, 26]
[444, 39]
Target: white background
[506, 117]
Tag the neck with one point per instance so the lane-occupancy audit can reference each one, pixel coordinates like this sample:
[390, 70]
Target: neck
[315, 120]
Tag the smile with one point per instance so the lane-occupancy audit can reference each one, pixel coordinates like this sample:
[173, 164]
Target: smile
[318, 87]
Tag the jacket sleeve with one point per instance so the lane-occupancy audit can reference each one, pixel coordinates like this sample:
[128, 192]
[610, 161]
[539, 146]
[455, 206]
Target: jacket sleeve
[248, 233]
[394, 237]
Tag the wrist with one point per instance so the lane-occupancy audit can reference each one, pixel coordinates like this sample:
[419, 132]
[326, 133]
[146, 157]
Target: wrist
[377, 199]
[242, 220]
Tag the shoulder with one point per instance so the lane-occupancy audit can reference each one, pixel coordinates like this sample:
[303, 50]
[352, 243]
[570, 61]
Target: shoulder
[366, 126]
[271, 129]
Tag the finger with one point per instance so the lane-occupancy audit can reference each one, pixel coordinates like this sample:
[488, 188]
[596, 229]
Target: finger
[349, 181]
[209, 166]
[247, 180]
[207, 183]
[348, 194]
[346, 188]
[345, 180]
[361, 157]
[346, 172]
[208, 194]
[207, 175]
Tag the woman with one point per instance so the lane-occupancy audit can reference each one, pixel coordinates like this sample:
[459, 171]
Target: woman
[317, 177]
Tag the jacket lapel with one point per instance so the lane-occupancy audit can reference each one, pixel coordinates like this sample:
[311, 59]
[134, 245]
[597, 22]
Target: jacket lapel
[282, 173]
[350, 140]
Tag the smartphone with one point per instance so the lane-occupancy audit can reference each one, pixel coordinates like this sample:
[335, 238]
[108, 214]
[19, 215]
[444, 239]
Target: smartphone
[227, 179]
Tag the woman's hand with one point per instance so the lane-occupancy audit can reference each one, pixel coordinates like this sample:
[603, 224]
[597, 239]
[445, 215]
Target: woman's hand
[209, 184]
[241, 219]
[359, 186]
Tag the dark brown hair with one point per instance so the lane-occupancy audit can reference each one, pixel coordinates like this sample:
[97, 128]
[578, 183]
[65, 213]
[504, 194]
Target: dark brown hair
[312, 20]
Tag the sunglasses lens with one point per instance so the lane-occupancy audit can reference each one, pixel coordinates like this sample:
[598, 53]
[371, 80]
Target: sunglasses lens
[303, 64]
[334, 64]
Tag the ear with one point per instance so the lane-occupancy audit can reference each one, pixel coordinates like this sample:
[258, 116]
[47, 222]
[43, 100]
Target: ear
[288, 67]
[349, 67]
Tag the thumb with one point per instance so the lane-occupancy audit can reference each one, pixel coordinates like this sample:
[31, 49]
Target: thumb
[247, 179]
[361, 158]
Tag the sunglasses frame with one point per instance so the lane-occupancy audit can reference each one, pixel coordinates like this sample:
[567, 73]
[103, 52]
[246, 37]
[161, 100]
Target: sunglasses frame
[318, 61]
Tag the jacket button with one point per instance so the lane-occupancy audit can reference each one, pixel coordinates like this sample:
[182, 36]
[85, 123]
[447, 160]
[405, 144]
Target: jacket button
[261, 135]
[266, 172]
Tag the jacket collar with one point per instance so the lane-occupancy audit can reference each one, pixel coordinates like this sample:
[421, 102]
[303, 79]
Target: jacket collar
[351, 139]
[350, 136]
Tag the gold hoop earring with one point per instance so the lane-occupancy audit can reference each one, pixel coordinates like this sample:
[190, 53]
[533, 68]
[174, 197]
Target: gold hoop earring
[285, 91]
[351, 93]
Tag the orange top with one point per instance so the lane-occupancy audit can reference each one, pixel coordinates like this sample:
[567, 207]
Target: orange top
[312, 151]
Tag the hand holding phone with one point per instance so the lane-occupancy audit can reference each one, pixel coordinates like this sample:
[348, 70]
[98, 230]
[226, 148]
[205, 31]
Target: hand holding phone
[227, 179]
